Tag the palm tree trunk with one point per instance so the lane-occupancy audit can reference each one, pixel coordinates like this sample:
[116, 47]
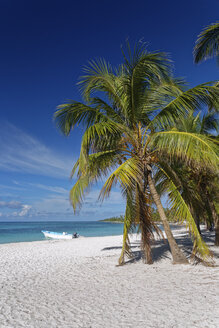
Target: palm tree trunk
[146, 244]
[145, 224]
[196, 218]
[149, 259]
[178, 256]
[197, 222]
[217, 232]
[127, 225]
[215, 220]
[209, 220]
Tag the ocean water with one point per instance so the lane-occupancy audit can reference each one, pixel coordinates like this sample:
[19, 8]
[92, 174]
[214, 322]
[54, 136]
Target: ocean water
[13, 232]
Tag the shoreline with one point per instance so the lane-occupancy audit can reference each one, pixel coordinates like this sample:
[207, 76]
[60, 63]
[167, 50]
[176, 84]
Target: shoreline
[51, 240]
[175, 226]
[77, 283]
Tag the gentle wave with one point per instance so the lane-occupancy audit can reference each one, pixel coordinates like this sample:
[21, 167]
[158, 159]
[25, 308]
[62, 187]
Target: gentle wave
[13, 232]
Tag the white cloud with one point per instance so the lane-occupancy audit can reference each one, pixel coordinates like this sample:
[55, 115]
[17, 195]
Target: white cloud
[55, 189]
[52, 205]
[22, 209]
[25, 210]
[11, 204]
[21, 152]
[7, 187]
[59, 206]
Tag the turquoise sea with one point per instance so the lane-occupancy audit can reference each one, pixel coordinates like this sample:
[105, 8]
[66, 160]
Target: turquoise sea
[13, 232]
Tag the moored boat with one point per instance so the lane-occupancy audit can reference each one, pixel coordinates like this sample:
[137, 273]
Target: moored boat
[58, 235]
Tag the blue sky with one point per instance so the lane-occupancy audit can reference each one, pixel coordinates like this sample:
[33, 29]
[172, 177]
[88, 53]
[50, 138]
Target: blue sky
[44, 45]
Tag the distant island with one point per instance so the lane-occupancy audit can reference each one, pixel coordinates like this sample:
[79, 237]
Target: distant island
[115, 219]
[154, 214]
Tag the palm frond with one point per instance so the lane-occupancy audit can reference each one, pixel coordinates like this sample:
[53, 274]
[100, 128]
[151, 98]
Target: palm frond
[78, 190]
[190, 100]
[127, 175]
[96, 166]
[195, 148]
[184, 178]
[74, 169]
[182, 213]
[207, 44]
[142, 69]
[128, 222]
[99, 132]
[100, 164]
[108, 110]
[148, 66]
[74, 113]
[209, 123]
[100, 77]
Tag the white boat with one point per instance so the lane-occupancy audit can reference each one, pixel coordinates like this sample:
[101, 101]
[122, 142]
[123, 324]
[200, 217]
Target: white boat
[58, 235]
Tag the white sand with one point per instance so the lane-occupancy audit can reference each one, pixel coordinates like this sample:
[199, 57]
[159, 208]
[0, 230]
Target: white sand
[76, 283]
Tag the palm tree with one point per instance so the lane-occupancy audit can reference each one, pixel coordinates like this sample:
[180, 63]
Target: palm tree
[197, 185]
[207, 44]
[128, 132]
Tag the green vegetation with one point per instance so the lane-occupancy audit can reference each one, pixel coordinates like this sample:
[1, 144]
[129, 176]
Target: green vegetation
[115, 219]
[169, 214]
[197, 185]
[132, 138]
[154, 215]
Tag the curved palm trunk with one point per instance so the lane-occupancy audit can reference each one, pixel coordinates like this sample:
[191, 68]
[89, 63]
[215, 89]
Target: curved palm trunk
[215, 220]
[178, 256]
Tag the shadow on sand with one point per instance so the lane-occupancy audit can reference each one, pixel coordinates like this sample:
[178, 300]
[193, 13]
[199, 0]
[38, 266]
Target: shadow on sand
[161, 250]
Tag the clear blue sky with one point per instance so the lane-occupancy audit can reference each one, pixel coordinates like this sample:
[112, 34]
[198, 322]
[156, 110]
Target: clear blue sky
[44, 45]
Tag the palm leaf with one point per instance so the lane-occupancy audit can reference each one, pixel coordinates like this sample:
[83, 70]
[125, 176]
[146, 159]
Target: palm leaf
[74, 113]
[203, 94]
[100, 164]
[128, 222]
[99, 132]
[97, 165]
[191, 147]
[209, 123]
[99, 77]
[207, 44]
[127, 174]
[142, 69]
[182, 213]
[78, 190]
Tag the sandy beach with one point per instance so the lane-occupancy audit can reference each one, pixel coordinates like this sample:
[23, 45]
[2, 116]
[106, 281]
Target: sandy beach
[76, 283]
